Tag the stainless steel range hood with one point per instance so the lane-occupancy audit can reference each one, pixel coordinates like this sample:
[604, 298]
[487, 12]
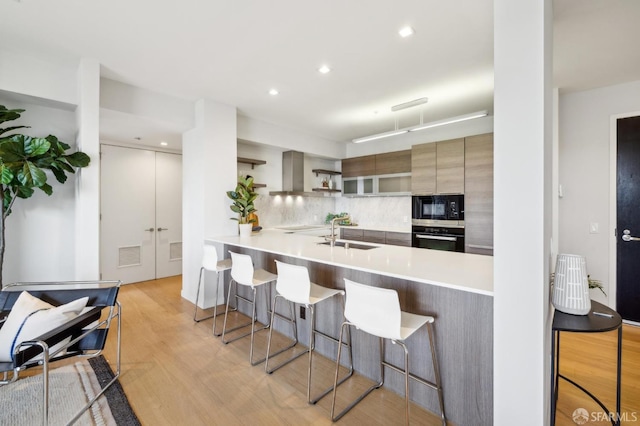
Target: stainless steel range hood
[293, 175]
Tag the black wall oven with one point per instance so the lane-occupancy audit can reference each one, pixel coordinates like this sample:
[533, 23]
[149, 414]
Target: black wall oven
[438, 207]
[438, 238]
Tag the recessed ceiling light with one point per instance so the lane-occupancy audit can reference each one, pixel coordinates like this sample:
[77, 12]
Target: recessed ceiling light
[164, 143]
[406, 31]
[273, 92]
[324, 69]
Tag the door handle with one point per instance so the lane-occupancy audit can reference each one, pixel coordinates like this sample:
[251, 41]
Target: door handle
[149, 230]
[162, 229]
[627, 237]
[436, 237]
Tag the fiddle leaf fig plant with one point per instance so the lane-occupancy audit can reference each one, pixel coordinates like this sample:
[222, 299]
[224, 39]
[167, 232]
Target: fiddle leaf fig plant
[243, 197]
[24, 161]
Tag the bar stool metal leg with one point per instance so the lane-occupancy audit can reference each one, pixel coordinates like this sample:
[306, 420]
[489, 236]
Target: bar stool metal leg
[343, 379]
[215, 308]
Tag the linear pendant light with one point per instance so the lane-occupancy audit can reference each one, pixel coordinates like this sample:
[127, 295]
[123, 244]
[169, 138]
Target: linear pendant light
[424, 126]
[449, 121]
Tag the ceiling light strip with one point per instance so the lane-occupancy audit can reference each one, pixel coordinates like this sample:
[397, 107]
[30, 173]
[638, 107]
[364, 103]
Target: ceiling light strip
[380, 136]
[444, 122]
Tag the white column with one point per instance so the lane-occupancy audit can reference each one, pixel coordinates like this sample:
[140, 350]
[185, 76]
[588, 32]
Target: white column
[209, 169]
[87, 231]
[523, 146]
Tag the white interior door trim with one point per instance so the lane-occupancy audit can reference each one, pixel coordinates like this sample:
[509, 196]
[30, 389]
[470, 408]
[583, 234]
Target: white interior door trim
[613, 211]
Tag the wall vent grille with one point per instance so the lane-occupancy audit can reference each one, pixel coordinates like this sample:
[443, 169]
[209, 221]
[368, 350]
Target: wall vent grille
[129, 256]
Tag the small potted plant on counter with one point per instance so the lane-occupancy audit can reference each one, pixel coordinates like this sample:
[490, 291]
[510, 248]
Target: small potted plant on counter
[243, 197]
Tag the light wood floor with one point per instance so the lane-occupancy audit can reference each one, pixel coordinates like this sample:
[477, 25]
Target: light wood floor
[590, 360]
[175, 372]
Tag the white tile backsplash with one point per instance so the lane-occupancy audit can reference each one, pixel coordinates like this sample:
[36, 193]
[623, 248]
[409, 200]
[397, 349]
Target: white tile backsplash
[278, 210]
[378, 212]
[374, 212]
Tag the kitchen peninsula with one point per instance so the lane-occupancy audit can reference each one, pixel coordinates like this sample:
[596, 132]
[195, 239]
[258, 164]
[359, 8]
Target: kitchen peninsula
[455, 288]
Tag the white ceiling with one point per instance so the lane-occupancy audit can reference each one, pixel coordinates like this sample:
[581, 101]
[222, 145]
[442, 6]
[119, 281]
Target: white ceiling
[235, 51]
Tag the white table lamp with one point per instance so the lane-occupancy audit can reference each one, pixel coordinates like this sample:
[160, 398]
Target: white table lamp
[571, 285]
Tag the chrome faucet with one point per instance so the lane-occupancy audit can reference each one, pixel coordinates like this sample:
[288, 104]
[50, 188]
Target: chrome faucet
[332, 237]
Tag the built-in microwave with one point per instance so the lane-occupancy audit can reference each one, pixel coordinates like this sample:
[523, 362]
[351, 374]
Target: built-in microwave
[438, 207]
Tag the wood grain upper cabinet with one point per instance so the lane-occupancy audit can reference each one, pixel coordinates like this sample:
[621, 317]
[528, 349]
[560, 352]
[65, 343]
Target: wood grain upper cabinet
[423, 169]
[359, 166]
[450, 167]
[393, 162]
[478, 199]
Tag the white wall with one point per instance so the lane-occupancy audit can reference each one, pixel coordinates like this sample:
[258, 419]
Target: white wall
[209, 170]
[52, 78]
[522, 189]
[40, 231]
[87, 207]
[270, 134]
[125, 98]
[585, 176]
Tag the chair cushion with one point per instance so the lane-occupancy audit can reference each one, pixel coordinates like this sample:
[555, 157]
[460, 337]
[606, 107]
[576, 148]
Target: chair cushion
[31, 317]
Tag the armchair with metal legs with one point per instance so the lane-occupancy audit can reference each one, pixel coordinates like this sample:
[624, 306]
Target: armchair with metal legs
[82, 336]
[293, 285]
[243, 273]
[376, 311]
[211, 263]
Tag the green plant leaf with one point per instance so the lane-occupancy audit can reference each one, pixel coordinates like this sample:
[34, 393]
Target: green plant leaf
[62, 165]
[47, 189]
[6, 200]
[13, 150]
[35, 146]
[60, 175]
[31, 175]
[6, 175]
[78, 159]
[10, 129]
[23, 191]
[57, 146]
[9, 114]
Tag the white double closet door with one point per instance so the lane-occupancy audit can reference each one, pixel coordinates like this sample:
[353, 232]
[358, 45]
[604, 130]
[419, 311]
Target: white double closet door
[141, 214]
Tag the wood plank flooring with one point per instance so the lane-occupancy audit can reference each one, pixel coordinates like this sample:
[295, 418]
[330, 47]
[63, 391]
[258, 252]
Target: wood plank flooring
[590, 360]
[175, 372]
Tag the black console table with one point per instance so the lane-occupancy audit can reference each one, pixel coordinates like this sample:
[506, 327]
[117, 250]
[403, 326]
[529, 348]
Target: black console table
[600, 319]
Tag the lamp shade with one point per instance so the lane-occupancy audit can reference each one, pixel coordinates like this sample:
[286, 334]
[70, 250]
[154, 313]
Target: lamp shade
[571, 285]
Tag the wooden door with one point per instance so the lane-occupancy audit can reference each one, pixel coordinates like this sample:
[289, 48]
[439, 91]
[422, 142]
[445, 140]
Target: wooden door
[628, 219]
[141, 214]
[423, 169]
[359, 166]
[393, 162]
[478, 198]
[450, 167]
[127, 212]
[168, 214]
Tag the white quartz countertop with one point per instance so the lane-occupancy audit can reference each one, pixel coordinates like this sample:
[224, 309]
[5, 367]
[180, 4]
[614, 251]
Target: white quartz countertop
[460, 271]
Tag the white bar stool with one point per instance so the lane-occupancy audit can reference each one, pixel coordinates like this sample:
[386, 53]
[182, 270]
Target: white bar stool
[294, 286]
[210, 263]
[243, 273]
[377, 311]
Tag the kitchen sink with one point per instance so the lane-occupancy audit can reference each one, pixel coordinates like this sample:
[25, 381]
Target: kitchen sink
[349, 245]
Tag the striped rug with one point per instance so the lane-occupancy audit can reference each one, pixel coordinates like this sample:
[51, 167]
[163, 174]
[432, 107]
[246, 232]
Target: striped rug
[70, 388]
